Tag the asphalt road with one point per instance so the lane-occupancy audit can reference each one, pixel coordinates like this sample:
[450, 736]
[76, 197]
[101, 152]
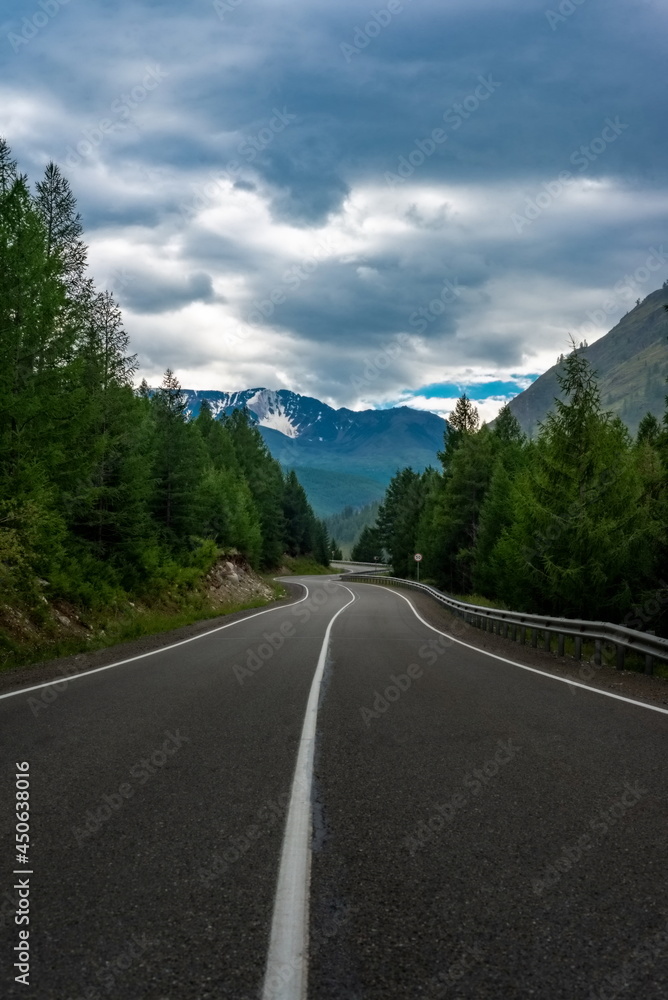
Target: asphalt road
[479, 831]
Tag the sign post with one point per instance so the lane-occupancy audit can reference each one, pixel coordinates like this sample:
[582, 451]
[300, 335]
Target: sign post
[418, 560]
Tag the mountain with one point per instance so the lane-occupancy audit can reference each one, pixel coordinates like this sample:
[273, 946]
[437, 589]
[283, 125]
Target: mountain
[342, 457]
[631, 362]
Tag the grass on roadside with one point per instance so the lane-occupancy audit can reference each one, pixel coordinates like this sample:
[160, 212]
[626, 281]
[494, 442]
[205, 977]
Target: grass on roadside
[483, 602]
[303, 566]
[131, 622]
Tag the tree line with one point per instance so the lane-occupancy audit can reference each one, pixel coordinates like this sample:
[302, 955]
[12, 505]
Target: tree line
[347, 524]
[571, 523]
[106, 489]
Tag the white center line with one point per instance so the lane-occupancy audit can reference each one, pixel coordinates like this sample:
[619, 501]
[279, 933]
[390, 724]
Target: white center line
[286, 975]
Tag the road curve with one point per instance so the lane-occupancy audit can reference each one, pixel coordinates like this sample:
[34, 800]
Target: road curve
[478, 830]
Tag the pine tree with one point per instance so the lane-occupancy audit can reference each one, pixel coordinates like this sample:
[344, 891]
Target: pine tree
[399, 518]
[35, 370]
[464, 418]
[265, 480]
[368, 547]
[7, 167]
[179, 463]
[584, 536]
[649, 430]
[457, 509]
[229, 514]
[462, 422]
[109, 488]
[507, 428]
[300, 526]
[64, 245]
[321, 545]
[335, 550]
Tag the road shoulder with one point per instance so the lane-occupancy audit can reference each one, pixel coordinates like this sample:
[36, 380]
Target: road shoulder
[67, 666]
[628, 683]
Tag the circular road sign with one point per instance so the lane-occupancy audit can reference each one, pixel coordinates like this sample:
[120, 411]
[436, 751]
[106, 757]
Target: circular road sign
[417, 556]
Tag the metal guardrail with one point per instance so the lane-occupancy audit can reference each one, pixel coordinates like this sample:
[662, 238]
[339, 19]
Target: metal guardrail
[518, 626]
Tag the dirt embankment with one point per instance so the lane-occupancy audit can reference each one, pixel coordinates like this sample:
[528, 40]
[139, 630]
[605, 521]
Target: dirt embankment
[234, 582]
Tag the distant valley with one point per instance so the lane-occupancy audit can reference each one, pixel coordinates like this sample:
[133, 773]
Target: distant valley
[342, 457]
[346, 457]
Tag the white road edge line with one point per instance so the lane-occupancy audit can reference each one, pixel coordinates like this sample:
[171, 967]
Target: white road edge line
[152, 652]
[286, 975]
[523, 666]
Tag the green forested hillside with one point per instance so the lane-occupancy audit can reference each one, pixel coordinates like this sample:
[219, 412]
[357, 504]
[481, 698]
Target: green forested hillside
[347, 525]
[329, 492]
[106, 491]
[631, 365]
[573, 523]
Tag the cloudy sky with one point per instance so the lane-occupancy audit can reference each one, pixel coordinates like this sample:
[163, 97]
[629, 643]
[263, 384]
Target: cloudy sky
[370, 204]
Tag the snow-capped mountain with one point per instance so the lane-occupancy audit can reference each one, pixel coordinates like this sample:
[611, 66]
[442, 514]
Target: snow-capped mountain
[280, 410]
[341, 456]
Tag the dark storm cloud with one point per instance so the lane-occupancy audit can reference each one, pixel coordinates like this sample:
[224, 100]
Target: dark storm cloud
[144, 293]
[301, 109]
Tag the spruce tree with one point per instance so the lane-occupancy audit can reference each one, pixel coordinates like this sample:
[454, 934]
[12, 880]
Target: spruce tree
[265, 480]
[35, 370]
[368, 547]
[335, 550]
[64, 244]
[399, 518]
[300, 523]
[321, 545]
[584, 536]
[179, 462]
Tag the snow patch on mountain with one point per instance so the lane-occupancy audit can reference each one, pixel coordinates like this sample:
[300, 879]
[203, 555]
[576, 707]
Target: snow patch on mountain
[268, 408]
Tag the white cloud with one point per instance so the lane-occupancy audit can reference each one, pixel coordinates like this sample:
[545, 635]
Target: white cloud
[163, 208]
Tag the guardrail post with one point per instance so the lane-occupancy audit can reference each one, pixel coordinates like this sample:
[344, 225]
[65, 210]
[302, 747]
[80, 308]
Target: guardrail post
[597, 652]
[649, 663]
[548, 641]
[577, 653]
[560, 644]
[523, 635]
[621, 656]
